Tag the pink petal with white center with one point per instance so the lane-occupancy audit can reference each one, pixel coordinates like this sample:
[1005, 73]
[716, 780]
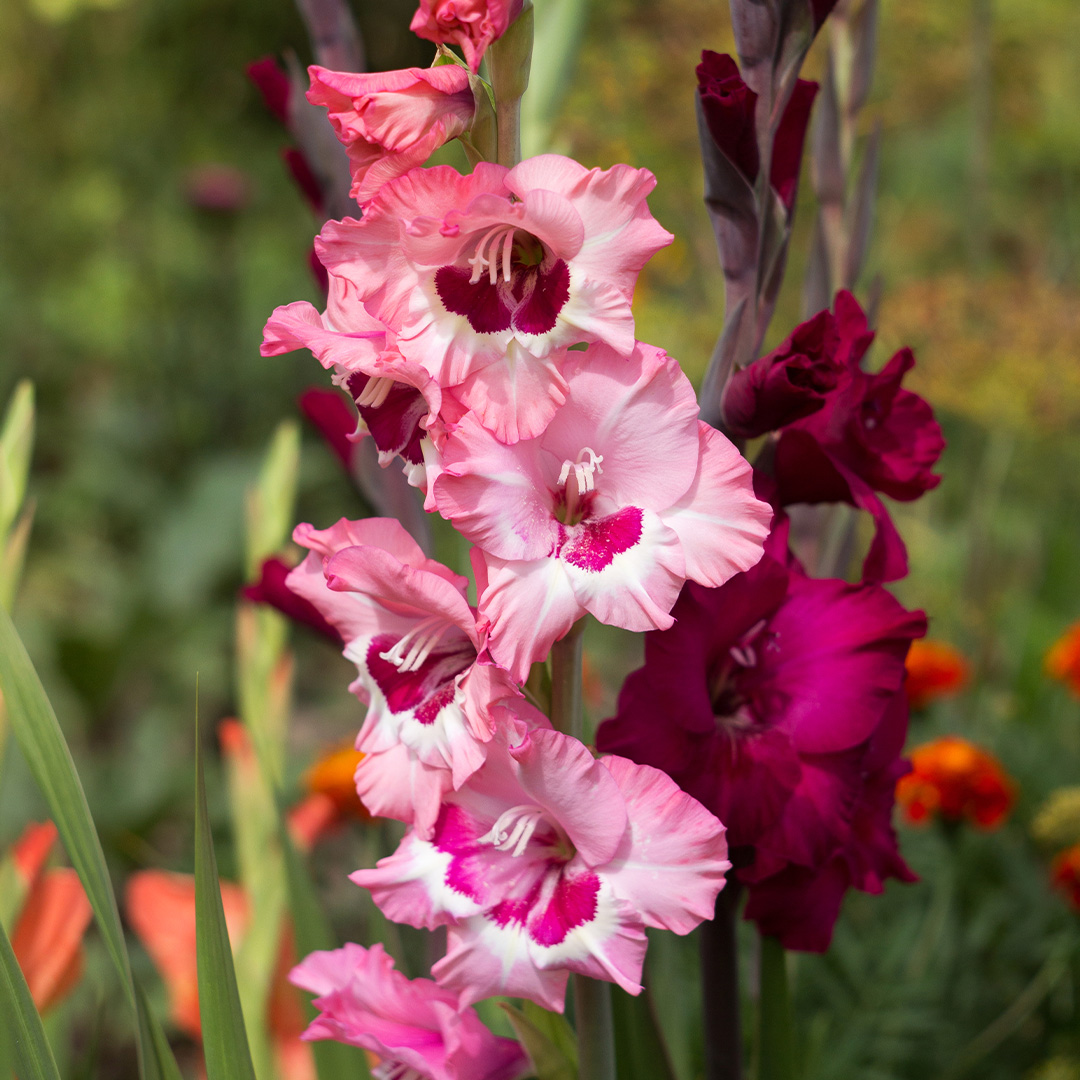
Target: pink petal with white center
[627, 568]
[673, 859]
[554, 769]
[621, 233]
[398, 587]
[497, 495]
[591, 932]
[394, 783]
[721, 524]
[639, 414]
[516, 398]
[529, 606]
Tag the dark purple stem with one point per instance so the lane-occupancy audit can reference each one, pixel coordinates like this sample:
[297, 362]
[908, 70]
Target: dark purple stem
[720, 988]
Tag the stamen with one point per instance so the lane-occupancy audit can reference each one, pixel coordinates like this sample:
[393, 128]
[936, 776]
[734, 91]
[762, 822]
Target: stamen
[375, 392]
[486, 257]
[395, 1070]
[514, 829]
[418, 642]
[743, 652]
[579, 477]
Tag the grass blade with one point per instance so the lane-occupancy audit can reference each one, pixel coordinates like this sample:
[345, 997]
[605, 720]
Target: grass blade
[158, 1061]
[24, 1034]
[225, 1043]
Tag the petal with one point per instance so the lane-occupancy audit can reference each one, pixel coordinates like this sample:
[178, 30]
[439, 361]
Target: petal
[396, 784]
[721, 524]
[672, 861]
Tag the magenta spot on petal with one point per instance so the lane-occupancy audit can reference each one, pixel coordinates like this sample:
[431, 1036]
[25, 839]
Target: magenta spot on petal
[592, 545]
[427, 690]
[572, 904]
[515, 911]
[454, 833]
[540, 308]
[481, 302]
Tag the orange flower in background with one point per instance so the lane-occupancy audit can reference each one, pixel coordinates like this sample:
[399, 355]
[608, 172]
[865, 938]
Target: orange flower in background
[51, 919]
[161, 909]
[954, 779]
[934, 669]
[332, 777]
[1065, 874]
[1063, 659]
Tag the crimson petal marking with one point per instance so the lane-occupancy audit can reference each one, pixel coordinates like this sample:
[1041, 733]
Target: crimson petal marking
[593, 545]
[572, 905]
[425, 691]
[539, 310]
[481, 302]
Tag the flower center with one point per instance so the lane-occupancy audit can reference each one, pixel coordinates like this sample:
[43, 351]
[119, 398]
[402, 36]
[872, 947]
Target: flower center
[728, 702]
[410, 652]
[577, 479]
[375, 392]
[514, 829]
[395, 1070]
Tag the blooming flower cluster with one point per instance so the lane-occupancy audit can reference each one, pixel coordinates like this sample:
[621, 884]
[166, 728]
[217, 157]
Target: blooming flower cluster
[482, 325]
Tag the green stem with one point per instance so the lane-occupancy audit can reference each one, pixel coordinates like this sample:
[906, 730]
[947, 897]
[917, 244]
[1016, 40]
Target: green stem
[592, 999]
[508, 62]
[567, 713]
[776, 1044]
[720, 987]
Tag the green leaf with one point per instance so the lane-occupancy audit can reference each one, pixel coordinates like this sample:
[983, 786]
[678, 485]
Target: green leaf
[16, 444]
[38, 733]
[548, 1040]
[224, 1040]
[158, 1062]
[23, 1032]
[639, 1045]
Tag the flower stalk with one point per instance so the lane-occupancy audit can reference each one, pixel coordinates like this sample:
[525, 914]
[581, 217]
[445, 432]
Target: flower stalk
[508, 61]
[720, 988]
[776, 1046]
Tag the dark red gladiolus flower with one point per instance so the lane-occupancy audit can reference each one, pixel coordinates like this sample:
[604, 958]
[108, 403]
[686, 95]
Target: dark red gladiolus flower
[821, 10]
[870, 436]
[729, 106]
[392, 413]
[273, 84]
[329, 411]
[788, 384]
[271, 589]
[777, 701]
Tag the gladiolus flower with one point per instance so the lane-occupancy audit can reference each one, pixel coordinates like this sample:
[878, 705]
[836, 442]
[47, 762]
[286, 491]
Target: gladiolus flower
[271, 589]
[774, 701]
[624, 496]
[1063, 659]
[871, 436]
[729, 106]
[417, 1030]
[51, 913]
[470, 24]
[549, 861]
[391, 121]
[793, 381]
[485, 280]
[956, 780]
[1065, 874]
[934, 669]
[434, 698]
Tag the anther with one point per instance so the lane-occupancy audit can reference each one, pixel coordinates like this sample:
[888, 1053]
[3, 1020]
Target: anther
[514, 829]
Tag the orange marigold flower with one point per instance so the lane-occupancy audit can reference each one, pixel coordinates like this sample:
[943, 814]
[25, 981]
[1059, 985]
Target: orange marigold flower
[955, 779]
[934, 669]
[1065, 874]
[1063, 659]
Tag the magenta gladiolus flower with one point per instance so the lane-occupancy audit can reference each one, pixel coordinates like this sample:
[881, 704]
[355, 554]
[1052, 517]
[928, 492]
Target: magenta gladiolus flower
[271, 589]
[729, 106]
[418, 1030]
[870, 436]
[765, 701]
[548, 861]
[487, 279]
[391, 121]
[624, 496]
[434, 698]
[471, 24]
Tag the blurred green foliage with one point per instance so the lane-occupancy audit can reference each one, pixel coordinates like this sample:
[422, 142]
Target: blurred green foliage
[138, 315]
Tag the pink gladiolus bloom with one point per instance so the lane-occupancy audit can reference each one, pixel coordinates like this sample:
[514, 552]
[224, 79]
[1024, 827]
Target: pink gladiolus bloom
[871, 436]
[470, 24]
[770, 701]
[549, 861]
[434, 698]
[418, 1030]
[624, 496]
[487, 279]
[391, 121]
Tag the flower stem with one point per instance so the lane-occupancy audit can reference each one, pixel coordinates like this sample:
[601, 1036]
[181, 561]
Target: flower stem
[720, 988]
[567, 714]
[508, 62]
[776, 1044]
[592, 999]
